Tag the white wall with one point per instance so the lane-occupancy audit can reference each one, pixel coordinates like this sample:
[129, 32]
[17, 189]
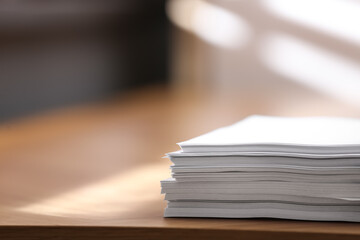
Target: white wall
[302, 57]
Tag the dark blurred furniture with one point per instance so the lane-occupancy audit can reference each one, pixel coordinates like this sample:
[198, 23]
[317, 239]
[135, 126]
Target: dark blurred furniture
[93, 172]
[55, 53]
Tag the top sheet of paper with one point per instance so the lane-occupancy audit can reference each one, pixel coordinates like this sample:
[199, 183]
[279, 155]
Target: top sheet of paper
[260, 133]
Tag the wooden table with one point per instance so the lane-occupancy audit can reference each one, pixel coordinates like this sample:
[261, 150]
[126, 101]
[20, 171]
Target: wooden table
[93, 172]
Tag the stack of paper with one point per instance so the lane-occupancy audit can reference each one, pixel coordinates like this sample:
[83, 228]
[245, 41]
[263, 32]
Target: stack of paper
[295, 168]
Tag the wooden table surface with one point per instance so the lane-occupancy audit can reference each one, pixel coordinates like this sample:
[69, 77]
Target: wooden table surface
[94, 171]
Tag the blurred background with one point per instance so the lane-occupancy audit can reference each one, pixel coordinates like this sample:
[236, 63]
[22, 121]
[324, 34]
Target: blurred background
[290, 54]
[93, 93]
[58, 53]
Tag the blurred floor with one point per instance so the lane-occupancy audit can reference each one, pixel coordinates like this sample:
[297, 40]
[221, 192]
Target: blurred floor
[105, 160]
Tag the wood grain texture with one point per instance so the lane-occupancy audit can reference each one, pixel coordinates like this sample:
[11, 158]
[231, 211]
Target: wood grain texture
[93, 172]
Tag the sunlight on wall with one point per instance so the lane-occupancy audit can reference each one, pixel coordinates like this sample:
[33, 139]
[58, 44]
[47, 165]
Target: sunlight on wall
[315, 67]
[338, 18]
[124, 193]
[209, 22]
